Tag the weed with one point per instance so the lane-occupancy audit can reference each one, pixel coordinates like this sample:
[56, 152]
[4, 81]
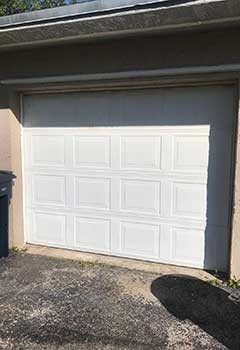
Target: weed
[90, 264]
[215, 282]
[17, 250]
[232, 283]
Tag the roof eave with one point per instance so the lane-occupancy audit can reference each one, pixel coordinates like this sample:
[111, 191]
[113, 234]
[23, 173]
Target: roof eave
[188, 16]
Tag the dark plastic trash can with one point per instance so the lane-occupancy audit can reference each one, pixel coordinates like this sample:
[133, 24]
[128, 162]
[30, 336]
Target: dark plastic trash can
[6, 181]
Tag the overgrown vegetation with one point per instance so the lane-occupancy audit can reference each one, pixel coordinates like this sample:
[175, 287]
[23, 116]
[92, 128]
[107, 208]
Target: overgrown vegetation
[17, 250]
[233, 283]
[10, 7]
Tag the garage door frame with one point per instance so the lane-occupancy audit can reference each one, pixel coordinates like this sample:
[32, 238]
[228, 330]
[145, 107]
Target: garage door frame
[186, 81]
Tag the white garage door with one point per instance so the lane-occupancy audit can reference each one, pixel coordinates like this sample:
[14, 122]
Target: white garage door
[143, 174]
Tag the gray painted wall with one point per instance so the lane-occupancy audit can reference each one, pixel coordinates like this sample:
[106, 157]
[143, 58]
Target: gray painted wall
[207, 48]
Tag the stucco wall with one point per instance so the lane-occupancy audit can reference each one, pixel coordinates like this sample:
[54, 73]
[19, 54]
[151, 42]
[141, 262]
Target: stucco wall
[190, 49]
[5, 146]
[16, 214]
[10, 159]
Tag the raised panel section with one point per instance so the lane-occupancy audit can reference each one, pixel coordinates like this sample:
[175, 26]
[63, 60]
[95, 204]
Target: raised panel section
[189, 200]
[92, 234]
[49, 189]
[139, 239]
[92, 151]
[48, 150]
[92, 193]
[188, 246]
[191, 153]
[49, 228]
[140, 196]
[141, 152]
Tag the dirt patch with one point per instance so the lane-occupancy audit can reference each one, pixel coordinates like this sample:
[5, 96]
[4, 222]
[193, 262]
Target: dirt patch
[137, 287]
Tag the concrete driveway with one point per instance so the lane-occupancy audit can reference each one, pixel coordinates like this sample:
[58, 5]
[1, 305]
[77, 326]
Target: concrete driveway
[48, 303]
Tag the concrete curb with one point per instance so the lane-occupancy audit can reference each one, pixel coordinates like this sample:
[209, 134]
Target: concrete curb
[150, 267]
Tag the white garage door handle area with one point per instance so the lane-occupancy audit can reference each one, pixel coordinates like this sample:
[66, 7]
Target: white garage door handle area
[151, 192]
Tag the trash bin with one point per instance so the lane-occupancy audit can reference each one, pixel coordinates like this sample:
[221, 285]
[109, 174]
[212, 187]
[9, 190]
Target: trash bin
[6, 181]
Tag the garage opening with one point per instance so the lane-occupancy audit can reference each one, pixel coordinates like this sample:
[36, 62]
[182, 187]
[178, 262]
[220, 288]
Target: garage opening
[144, 174]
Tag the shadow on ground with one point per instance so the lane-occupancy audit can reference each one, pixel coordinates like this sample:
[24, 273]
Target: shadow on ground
[58, 304]
[206, 306]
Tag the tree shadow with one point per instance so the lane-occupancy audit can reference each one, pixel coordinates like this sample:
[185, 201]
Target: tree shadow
[207, 306]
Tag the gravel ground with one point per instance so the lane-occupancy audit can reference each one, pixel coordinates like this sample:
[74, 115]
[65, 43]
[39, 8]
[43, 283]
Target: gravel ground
[48, 303]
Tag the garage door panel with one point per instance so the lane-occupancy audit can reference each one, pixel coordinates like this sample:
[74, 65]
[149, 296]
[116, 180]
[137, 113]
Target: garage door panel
[140, 196]
[92, 151]
[188, 246]
[159, 107]
[48, 150]
[49, 228]
[92, 193]
[191, 153]
[138, 239]
[189, 200]
[216, 253]
[147, 177]
[92, 234]
[141, 152]
[113, 214]
[49, 189]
